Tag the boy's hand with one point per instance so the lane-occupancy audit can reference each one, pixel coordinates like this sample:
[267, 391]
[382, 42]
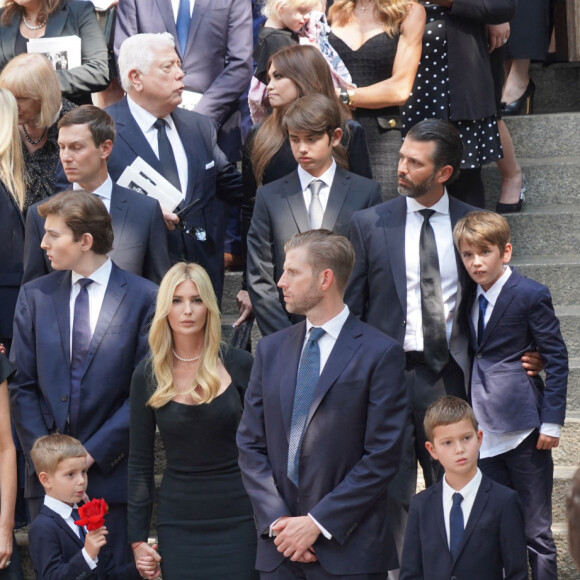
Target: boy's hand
[532, 362]
[94, 541]
[546, 442]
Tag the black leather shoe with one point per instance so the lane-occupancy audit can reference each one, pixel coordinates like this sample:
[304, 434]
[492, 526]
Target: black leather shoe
[513, 207]
[522, 106]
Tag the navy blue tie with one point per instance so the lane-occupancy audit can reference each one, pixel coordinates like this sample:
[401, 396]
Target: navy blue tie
[166, 156]
[456, 526]
[81, 339]
[308, 375]
[481, 320]
[182, 24]
[76, 517]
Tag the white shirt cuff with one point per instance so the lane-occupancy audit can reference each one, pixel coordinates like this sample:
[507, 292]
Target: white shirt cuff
[324, 531]
[92, 564]
[551, 429]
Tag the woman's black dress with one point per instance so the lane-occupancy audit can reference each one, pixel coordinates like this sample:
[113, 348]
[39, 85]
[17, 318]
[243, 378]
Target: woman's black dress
[205, 524]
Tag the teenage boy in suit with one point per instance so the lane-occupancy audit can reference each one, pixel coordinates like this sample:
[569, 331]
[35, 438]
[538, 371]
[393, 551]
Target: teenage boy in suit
[521, 417]
[466, 525]
[287, 206]
[59, 548]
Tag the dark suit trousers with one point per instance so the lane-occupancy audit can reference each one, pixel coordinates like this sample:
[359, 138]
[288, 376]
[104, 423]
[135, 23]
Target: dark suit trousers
[424, 387]
[314, 571]
[530, 472]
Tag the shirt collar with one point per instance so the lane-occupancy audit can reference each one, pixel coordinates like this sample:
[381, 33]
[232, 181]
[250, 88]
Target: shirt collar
[144, 118]
[104, 190]
[442, 206]
[492, 294]
[469, 490]
[99, 276]
[333, 326]
[327, 177]
[62, 509]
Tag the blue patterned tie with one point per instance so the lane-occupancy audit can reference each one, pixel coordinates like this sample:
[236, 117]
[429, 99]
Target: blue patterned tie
[481, 320]
[308, 375]
[182, 24]
[456, 527]
[81, 339]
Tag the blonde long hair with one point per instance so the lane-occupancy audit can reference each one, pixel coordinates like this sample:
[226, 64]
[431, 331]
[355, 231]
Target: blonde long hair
[390, 13]
[11, 161]
[207, 383]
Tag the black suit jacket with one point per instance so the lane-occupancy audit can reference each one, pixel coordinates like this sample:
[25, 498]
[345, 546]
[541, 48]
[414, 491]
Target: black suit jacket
[210, 176]
[279, 213]
[56, 553]
[351, 445]
[139, 246]
[377, 290]
[72, 18]
[494, 541]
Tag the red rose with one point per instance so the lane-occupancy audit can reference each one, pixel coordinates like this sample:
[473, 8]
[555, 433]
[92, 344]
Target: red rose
[92, 514]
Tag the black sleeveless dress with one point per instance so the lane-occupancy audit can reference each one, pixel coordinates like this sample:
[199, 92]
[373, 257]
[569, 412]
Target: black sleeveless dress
[370, 64]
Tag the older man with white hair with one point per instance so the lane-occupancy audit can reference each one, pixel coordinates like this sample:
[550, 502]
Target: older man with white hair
[180, 145]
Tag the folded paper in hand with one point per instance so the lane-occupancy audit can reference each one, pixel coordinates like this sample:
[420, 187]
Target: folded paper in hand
[64, 52]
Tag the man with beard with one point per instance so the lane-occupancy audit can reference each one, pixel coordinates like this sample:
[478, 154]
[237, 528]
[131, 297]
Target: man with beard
[321, 433]
[407, 281]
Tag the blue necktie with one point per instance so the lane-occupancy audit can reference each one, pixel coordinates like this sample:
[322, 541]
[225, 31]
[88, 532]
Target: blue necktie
[182, 24]
[81, 339]
[456, 527]
[481, 320]
[166, 156]
[308, 375]
[76, 517]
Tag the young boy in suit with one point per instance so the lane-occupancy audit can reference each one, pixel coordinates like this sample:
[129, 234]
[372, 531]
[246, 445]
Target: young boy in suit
[59, 548]
[521, 417]
[466, 525]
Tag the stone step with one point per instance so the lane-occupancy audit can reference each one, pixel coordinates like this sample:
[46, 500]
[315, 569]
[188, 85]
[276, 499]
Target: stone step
[567, 454]
[562, 476]
[557, 87]
[570, 324]
[232, 285]
[566, 568]
[573, 402]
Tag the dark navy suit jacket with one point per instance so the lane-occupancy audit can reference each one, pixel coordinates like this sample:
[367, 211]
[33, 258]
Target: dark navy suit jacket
[210, 176]
[493, 541]
[56, 553]
[504, 397]
[140, 244]
[377, 290]
[351, 445]
[280, 213]
[40, 390]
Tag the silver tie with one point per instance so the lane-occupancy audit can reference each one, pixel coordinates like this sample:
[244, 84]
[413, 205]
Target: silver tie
[315, 212]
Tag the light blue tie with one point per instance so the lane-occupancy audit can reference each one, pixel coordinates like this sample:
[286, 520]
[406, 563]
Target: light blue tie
[308, 375]
[483, 302]
[182, 24]
[456, 526]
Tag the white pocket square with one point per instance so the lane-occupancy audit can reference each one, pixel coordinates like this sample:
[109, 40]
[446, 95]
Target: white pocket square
[209, 165]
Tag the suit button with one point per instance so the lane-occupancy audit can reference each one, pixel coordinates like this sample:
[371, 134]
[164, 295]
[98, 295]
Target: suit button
[453, 577]
[404, 322]
[63, 398]
[479, 355]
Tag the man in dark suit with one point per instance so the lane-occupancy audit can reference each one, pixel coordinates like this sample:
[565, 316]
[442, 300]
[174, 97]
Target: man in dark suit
[78, 335]
[282, 207]
[188, 157]
[215, 49]
[86, 136]
[321, 432]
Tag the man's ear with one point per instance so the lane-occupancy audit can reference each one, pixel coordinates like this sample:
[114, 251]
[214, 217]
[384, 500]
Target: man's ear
[135, 79]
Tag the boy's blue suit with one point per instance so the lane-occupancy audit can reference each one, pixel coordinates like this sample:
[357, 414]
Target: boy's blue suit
[211, 176]
[350, 450]
[493, 540]
[56, 553]
[504, 397]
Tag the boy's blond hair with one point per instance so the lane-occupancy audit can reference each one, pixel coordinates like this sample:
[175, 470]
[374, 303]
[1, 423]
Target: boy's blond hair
[482, 229]
[270, 7]
[48, 451]
[445, 411]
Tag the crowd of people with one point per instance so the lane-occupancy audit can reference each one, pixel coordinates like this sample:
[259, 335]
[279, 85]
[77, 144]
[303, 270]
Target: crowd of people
[381, 289]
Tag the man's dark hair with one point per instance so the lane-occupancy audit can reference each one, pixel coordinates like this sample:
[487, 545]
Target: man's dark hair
[100, 123]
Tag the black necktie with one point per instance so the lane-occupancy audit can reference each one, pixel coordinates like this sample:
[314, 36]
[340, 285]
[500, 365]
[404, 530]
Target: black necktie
[166, 157]
[81, 339]
[483, 302]
[434, 333]
[456, 526]
[76, 517]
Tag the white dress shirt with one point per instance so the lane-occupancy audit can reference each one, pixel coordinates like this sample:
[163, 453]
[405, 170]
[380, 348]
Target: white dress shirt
[497, 443]
[175, 6]
[104, 191]
[145, 121]
[65, 512]
[441, 224]
[468, 492]
[306, 179]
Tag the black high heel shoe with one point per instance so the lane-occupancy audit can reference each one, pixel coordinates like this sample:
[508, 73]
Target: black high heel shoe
[514, 207]
[522, 106]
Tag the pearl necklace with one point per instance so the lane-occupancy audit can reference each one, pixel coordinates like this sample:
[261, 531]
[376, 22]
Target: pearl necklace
[32, 141]
[186, 359]
[30, 27]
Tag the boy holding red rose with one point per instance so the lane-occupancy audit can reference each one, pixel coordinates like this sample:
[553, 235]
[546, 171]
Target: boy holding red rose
[60, 547]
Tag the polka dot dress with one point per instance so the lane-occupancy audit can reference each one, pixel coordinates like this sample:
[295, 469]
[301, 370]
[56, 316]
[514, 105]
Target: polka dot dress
[430, 97]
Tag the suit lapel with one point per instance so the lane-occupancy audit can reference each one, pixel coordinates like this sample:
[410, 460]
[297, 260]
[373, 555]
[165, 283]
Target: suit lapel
[188, 139]
[199, 9]
[63, 525]
[336, 198]
[55, 24]
[8, 36]
[166, 10]
[61, 299]
[295, 199]
[119, 208]
[437, 502]
[394, 229]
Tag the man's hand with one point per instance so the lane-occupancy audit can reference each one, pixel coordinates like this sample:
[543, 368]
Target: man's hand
[244, 306]
[295, 537]
[546, 442]
[532, 362]
[171, 219]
